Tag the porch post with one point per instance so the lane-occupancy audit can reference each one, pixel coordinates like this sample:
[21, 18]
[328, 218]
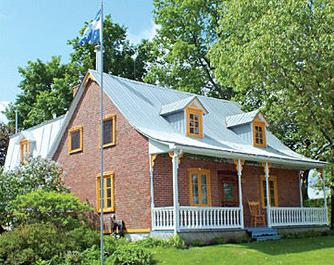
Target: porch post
[300, 190]
[267, 193]
[239, 163]
[151, 164]
[323, 187]
[175, 163]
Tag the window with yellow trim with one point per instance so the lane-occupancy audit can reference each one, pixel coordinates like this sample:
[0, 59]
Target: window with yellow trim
[24, 150]
[259, 134]
[273, 195]
[75, 142]
[200, 187]
[109, 197]
[109, 131]
[194, 122]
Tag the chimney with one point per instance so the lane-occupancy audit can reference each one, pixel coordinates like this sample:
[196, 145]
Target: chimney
[75, 90]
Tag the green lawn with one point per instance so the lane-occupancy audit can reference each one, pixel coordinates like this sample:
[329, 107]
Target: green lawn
[315, 251]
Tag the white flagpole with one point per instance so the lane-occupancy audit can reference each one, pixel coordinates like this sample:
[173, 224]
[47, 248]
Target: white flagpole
[101, 143]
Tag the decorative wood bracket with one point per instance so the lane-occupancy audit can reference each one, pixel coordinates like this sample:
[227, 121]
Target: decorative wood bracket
[153, 158]
[171, 154]
[264, 167]
[242, 162]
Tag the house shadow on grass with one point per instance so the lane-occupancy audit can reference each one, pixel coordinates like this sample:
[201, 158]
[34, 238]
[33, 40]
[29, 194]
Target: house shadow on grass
[290, 246]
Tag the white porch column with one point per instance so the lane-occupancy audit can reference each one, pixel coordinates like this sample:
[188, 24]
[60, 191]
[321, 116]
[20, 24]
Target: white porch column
[266, 170]
[151, 165]
[323, 187]
[175, 163]
[239, 163]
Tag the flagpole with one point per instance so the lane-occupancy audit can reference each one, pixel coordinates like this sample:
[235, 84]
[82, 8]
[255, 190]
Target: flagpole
[101, 143]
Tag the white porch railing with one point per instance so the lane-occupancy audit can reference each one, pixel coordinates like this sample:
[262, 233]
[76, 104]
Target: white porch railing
[197, 218]
[293, 216]
[163, 218]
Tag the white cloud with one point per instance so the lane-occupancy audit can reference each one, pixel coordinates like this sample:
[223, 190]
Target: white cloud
[147, 34]
[3, 105]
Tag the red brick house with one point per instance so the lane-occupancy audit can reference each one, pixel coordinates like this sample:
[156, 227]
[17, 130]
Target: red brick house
[174, 161]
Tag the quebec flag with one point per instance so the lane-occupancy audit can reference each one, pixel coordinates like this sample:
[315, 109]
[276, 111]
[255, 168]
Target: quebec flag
[92, 32]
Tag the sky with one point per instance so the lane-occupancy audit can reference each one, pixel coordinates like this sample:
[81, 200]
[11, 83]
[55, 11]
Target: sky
[31, 29]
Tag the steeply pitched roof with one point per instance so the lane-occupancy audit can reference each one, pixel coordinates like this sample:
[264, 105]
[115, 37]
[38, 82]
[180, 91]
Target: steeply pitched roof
[242, 118]
[141, 105]
[40, 137]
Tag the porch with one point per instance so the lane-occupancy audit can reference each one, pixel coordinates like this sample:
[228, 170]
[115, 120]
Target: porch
[219, 214]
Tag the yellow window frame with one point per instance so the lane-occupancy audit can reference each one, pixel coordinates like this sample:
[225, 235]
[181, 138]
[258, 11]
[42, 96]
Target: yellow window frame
[262, 125]
[198, 112]
[70, 132]
[106, 209]
[274, 180]
[106, 118]
[199, 172]
[23, 156]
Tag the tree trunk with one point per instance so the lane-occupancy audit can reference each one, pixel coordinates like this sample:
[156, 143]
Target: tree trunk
[332, 208]
[305, 185]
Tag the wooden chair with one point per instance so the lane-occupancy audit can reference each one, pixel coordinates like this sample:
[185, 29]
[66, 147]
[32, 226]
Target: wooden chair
[257, 217]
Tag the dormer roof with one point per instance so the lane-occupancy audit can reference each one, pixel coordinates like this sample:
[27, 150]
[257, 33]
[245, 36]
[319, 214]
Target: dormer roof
[181, 104]
[243, 118]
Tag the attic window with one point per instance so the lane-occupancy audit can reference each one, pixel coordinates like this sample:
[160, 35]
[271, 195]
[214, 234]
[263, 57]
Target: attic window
[109, 130]
[194, 122]
[75, 143]
[259, 134]
[24, 150]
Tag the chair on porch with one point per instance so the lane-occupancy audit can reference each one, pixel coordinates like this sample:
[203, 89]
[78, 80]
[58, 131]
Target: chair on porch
[257, 217]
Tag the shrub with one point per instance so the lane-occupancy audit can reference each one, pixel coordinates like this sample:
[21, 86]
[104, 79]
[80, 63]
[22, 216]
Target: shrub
[63, 210]
[176, 242]
[131, 255]
[44, 244]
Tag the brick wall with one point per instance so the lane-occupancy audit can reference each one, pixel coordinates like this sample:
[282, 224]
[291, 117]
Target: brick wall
[287, 182]
[128, 159]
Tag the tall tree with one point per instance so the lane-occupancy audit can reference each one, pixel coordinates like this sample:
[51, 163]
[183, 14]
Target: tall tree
[187, 31]
[5, 132]
[46, 86]
[280, 55]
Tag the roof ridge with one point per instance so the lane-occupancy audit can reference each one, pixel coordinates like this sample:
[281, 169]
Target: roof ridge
[167, 88]
[38, 125]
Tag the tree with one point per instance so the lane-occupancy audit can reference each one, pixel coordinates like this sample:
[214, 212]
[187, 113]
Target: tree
[279, 55]
[36, 174]
[47, 86]
[187, 31]
[46, 91]
[5, 132]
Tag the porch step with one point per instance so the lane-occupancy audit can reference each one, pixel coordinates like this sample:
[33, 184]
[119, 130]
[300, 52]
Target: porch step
[263, 233]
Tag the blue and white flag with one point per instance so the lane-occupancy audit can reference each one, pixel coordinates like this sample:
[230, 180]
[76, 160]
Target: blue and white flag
[92, 32]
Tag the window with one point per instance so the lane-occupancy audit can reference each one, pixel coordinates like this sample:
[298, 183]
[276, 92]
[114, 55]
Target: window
[109, 131]
[24, 150]
[259, 134]
[75, 143]
[273, 195]
[109, 199]
[229, 188]
[194, 122]
[200, 187]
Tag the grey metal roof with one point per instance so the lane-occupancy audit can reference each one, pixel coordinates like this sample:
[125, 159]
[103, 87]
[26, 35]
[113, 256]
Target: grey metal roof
[141, 105]
[179, 105]
[242, 118]
[40, 137]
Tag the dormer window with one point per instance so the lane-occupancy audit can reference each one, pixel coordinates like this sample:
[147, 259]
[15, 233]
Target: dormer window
[194, 122]
[259, 134]
[24, 150]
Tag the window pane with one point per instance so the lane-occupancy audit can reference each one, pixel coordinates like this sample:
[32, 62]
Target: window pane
[108, 182]
[109, 203]
[107, 131]
[75, 140]
[204, 190]
[272, 193]
[228, 192]
[265, 193]
[108, 193]
[195, 189]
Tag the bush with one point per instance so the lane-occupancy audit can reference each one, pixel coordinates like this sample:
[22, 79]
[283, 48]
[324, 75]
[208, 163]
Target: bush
[131, 255]
[176, 242]
[43, 244]
[63, 210]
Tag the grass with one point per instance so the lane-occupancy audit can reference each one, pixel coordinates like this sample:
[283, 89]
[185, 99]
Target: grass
[313, 251]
